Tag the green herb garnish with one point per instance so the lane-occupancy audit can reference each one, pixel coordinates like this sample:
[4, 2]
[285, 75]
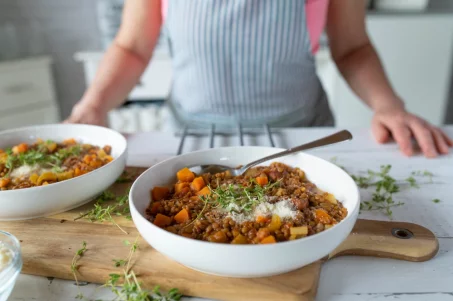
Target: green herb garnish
[436, 201]
[75, 267]
[40, 156]
[386, 187]
[119, 262]
[412, 182]
[239, 198]
[423, 173]
[104, 212]
[131, 289]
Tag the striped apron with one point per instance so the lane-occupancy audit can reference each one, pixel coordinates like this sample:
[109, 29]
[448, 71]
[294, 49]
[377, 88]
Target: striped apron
[243, 61]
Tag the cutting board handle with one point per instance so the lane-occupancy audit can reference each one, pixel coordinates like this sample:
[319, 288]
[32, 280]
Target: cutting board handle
[396, 240]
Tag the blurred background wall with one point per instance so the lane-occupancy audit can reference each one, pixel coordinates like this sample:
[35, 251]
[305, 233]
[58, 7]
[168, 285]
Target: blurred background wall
[49, 50]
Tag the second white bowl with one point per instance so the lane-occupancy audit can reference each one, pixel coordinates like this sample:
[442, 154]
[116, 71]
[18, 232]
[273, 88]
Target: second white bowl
[41, 201]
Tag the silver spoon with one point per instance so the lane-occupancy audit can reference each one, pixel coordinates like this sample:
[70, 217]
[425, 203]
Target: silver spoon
[332, 139]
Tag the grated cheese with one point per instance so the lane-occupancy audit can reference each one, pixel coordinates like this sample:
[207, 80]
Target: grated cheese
[27, 170]
[284, 209]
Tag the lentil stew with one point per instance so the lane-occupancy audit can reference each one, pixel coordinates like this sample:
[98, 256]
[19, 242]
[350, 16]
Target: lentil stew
[268, 204]
[46, 162]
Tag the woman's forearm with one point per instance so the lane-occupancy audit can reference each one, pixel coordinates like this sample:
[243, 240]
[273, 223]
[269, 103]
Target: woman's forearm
[364, 73]
[117, 74]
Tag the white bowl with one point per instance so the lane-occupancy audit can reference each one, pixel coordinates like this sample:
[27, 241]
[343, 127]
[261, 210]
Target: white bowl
[245, 260]
[46, 200]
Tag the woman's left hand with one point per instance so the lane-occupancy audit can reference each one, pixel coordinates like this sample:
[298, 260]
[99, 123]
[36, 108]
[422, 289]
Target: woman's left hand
[402, 126]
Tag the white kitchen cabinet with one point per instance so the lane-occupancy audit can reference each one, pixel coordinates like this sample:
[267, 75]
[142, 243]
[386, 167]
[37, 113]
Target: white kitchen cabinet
[27, 94]
[416, 51]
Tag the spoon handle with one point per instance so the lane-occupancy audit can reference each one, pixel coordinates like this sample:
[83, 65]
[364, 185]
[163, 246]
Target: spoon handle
[334, 138]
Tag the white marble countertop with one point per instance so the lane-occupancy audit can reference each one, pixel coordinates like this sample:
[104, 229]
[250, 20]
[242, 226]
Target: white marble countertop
[342, 279]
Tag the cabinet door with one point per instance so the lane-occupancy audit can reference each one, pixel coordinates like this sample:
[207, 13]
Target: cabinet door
[23, 87]
[42, 115]
[416, 52]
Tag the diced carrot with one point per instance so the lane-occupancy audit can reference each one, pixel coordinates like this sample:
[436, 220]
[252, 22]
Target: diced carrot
[159, 193]
[182, 216]
[20, 148]
[322, 216]
[262, 219]
[262, 180]
[155, 206]
[77, 172]
[205, 191]
[4, 182]
[184, 191]
[197, 184]
[87, 159]
[162, 220]
[95, 164]
[185, 175]
[268, 240]
[180, 186]
[240, 240]
[69, 141]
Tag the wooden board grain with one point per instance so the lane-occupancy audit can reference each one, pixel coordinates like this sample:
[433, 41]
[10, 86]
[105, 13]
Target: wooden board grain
[49, 245]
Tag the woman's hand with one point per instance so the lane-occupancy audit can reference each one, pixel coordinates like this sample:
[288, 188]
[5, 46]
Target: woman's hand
[402, 126]
[87, 114]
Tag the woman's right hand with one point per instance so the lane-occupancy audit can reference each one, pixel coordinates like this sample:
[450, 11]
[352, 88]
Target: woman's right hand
[87, 114]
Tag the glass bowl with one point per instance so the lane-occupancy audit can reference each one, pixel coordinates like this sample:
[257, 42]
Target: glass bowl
[12, 268]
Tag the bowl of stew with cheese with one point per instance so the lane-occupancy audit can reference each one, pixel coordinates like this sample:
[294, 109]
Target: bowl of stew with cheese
[48, 169]
[277, 217]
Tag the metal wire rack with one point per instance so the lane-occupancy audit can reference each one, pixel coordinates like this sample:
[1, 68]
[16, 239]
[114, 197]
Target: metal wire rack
[239, 131]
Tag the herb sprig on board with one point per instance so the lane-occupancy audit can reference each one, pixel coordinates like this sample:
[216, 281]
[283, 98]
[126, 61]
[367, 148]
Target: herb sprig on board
[382, 198]
[386, 186]
[102, 212]
[74, 267]
[130, 289]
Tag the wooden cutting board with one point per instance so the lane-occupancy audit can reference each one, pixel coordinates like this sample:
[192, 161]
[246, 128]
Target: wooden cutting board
[49, 245]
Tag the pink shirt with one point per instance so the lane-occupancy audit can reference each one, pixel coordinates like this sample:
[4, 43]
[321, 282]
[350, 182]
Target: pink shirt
[316, 11]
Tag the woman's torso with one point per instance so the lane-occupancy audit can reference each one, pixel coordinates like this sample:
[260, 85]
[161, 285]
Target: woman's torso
[246, 61]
